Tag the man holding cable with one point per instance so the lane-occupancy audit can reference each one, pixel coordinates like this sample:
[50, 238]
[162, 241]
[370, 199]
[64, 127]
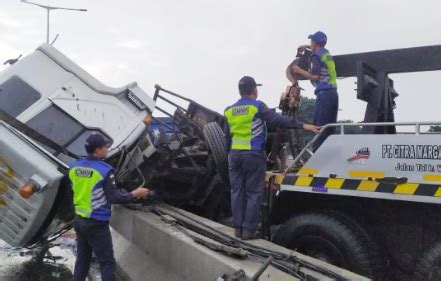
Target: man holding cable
[246, 137]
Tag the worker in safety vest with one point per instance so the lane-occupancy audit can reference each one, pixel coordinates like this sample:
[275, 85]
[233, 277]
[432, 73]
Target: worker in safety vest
[246, 137]
[94, 189]
[324, 78]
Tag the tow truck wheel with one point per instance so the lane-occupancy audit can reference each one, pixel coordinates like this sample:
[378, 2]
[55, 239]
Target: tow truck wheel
[429, 266]
[215, 139]
[333, 238]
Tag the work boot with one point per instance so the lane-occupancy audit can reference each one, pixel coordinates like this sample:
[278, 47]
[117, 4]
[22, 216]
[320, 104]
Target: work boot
[249, 235]
[238, 232]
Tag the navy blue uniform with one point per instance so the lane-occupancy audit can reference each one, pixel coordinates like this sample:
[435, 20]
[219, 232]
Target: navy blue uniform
[326, 105]
[93, 233]
[246, 137]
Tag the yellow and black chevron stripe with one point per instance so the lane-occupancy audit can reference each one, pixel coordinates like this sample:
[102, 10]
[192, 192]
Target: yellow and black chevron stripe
[322, 183]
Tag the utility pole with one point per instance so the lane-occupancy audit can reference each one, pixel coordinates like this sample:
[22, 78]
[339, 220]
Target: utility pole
[48, 10]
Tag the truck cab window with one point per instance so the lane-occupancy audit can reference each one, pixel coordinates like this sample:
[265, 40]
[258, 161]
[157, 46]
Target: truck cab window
[16, 96]
[56, 125]
[77, 146]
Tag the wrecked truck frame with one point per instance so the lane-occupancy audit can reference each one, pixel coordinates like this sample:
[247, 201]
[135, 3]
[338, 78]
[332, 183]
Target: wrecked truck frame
[49, 106]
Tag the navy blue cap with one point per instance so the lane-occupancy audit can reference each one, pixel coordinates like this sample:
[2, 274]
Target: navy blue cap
[318, 37]
[95, 141]
[247, 83]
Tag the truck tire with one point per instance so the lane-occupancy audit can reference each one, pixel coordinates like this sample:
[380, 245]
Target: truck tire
[215, 138]
[429, 266]
[333, 238]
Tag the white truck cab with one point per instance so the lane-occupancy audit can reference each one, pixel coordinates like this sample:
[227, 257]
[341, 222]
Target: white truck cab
[46, 96]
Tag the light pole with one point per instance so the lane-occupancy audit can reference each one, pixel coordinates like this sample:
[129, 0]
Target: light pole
[48, 10]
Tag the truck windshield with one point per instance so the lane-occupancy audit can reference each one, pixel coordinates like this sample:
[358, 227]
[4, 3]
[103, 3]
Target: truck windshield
[16, 96]
[77, 146]
[56, 125]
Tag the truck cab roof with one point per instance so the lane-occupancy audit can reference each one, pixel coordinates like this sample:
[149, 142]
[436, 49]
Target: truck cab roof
[54, 96]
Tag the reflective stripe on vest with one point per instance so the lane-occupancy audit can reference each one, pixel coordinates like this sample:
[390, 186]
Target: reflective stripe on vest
[82, 213]
[240, 120]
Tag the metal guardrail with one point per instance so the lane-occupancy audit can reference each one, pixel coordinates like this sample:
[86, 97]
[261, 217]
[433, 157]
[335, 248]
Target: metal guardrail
[416, 124]
[342, 126]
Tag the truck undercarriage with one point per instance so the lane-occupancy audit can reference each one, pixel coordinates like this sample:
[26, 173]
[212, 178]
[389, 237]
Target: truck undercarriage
[188, 167]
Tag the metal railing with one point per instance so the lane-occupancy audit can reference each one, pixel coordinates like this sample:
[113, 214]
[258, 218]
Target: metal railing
[342, 126]
[157, 96]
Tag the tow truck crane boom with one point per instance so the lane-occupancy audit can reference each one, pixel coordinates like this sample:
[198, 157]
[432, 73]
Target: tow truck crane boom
[374, 86]
[427, 58]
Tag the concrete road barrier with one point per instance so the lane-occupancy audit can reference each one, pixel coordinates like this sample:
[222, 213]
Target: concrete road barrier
[149, 249]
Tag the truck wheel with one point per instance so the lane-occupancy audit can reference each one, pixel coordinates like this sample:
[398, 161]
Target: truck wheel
[429, 266]
[333, 238]
[215, 138]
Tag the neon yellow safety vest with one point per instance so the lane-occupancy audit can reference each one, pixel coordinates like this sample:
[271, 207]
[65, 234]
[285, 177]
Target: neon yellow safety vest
[247, 129]
[87, 176]
[328, 75]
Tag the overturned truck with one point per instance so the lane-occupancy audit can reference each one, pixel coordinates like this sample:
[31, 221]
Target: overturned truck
[49, 106]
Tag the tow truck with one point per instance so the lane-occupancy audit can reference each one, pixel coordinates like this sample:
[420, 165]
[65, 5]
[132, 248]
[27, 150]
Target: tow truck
[367, 202]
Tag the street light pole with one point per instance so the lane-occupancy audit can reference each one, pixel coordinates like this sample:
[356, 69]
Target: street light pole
[48, 10]
[47, 25]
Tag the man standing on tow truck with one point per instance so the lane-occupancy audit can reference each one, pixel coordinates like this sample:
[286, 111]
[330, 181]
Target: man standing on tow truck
[94, 188]
[324, 78]
[246, 137]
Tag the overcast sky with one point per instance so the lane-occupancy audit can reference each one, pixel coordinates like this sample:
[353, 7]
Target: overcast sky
[201, 48]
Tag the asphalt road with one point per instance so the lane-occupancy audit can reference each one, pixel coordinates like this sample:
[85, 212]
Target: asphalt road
[20, 265]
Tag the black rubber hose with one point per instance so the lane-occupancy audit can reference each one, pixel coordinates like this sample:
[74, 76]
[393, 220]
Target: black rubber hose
[252, 248]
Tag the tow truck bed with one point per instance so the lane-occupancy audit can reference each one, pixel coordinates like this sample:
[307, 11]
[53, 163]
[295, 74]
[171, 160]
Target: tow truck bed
[398, 166]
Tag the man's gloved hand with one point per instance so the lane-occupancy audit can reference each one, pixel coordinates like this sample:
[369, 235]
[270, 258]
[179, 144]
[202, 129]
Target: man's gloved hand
[312, 128]
[140, 193]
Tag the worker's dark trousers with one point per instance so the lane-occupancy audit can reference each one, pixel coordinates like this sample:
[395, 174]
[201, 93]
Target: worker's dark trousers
[93, 235]
[247, 178]
[326, 110]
